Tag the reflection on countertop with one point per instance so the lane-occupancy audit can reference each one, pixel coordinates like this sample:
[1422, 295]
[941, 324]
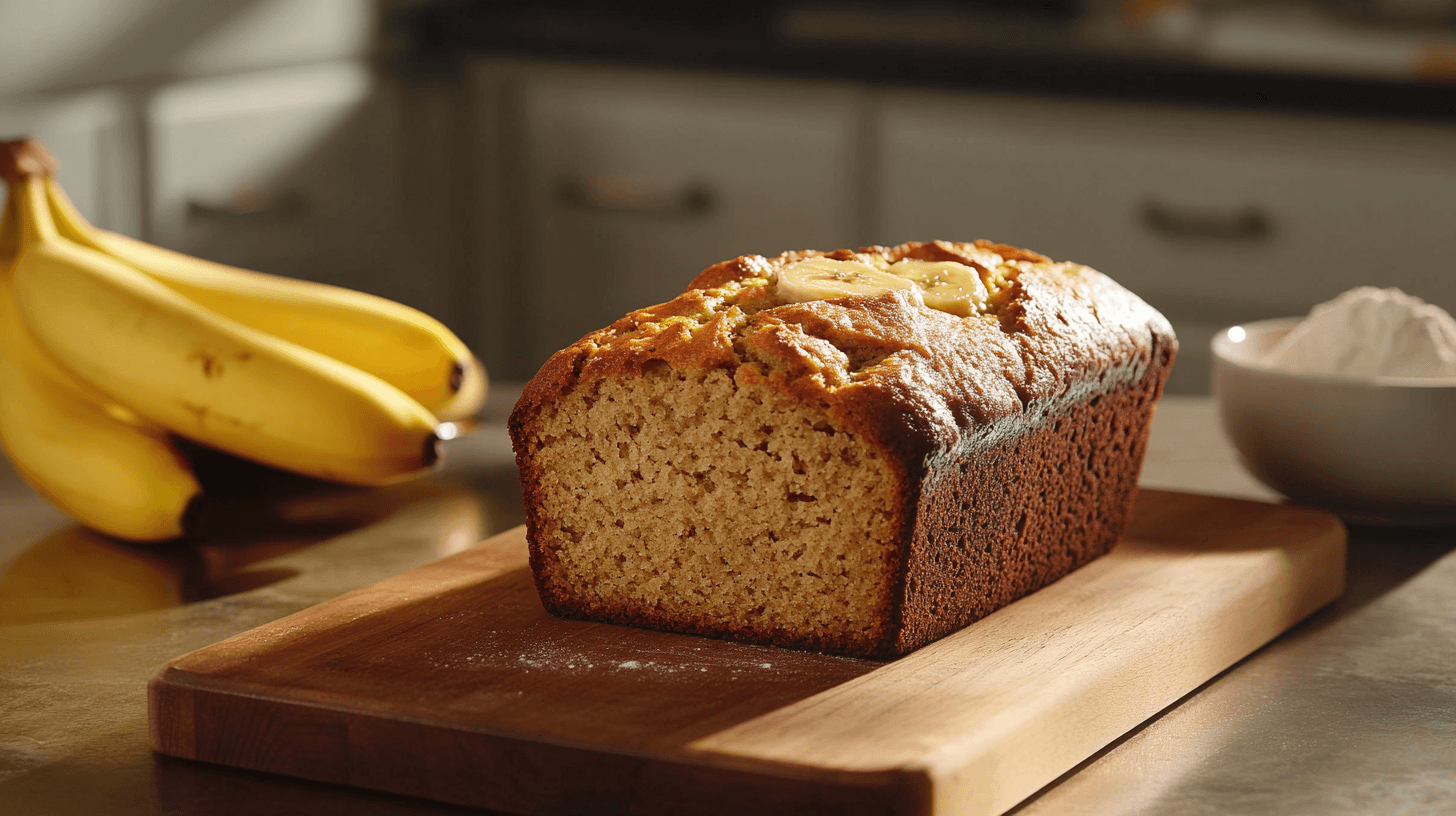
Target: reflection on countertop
[258, 529]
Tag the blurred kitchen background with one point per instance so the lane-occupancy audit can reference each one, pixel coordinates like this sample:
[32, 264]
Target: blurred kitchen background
[528, 172]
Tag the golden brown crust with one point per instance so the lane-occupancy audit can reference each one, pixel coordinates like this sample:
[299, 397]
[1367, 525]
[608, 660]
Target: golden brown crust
[932, 391]
[1058, 322]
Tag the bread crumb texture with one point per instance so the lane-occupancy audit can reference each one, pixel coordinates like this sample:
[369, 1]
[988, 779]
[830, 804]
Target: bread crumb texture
[859, 475]
[684, 496]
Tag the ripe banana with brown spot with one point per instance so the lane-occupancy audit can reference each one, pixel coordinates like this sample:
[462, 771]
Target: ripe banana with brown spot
[401, 345]
[203, 375]
[93, 459]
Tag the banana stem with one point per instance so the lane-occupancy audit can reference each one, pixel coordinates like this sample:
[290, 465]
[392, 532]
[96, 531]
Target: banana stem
[67, 218]
[22, 158]
[10, 228]
[36, 224]
[25, 164]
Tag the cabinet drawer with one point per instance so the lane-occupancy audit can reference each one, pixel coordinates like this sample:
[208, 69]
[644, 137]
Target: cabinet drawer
[1214, 217]
[634, 182]
[295, 172]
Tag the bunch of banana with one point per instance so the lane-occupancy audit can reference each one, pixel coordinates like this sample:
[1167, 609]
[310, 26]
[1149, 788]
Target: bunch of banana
[110, 346]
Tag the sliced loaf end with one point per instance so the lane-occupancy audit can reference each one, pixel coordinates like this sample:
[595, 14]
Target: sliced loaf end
[688, 501]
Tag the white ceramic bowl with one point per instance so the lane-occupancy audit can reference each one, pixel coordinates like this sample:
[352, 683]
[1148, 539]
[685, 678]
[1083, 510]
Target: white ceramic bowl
[1374, 450]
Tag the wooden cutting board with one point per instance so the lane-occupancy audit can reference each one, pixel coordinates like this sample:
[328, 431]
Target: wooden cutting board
[450, 682]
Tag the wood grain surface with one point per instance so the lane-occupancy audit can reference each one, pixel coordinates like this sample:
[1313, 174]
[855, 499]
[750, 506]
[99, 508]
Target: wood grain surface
[450, 682]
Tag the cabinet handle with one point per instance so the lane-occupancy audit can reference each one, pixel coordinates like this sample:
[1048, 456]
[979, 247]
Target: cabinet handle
[249, 205]
[1245, 224]
[636, 196]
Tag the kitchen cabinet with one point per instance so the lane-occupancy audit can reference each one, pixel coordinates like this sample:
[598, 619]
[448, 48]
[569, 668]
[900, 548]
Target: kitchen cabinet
[630, 182]
[238, 161]
[91, 43]
[612, 186]
[1215, 217]
[300, 172]
[256, 133]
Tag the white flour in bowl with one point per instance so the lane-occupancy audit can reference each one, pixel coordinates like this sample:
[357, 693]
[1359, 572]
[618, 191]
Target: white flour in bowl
[1370, 332]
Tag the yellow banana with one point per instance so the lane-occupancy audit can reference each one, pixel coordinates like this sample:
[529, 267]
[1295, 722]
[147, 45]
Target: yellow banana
[116, 476]
[402, 346]
[205, 376]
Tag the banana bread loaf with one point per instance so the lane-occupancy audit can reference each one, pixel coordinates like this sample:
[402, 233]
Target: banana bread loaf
[800, 451]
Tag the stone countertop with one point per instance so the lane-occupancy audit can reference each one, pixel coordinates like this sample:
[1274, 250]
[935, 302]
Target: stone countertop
[1353, 711]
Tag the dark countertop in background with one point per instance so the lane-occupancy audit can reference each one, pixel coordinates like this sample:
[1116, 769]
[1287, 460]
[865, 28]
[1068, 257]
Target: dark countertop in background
[980, 45]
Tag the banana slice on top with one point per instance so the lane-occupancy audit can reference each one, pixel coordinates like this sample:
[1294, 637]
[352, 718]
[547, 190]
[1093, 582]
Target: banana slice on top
[822, 278]
[948, 286]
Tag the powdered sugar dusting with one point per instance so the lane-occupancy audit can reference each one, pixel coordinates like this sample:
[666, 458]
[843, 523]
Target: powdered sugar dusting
[477, 641]
[507, 651]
